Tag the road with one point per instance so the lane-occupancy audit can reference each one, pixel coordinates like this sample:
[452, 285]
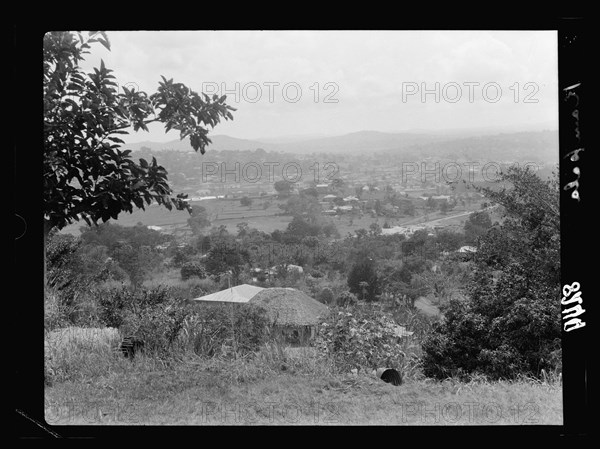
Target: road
[438, 220]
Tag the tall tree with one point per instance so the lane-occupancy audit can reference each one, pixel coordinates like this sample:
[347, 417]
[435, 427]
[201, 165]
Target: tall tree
[363, 280]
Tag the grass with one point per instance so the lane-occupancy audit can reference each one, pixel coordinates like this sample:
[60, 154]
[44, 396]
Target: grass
[91, 383]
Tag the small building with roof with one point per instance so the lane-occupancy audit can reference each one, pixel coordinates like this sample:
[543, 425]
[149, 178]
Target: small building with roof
[240, 294]
[293, 314]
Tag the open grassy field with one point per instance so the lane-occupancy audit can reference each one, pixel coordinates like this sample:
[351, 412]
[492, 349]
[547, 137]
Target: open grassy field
[221, 211]
[196, 393]
[96, 385]
[230, 212]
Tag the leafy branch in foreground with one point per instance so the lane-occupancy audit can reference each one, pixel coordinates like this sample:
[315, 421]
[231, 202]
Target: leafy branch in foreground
[86, 175]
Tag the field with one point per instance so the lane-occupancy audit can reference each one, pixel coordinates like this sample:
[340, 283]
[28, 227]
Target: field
[221, 212]
[93, 384]
[229, 212]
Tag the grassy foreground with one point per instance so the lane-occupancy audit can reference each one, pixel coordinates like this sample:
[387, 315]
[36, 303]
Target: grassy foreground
[276, 388]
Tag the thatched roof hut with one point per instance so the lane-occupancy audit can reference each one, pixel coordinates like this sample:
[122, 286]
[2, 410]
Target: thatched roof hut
[293, 313]
[290, 307]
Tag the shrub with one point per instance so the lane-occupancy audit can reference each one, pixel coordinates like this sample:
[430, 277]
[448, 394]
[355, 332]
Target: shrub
[190, 269]
[363, 337]
[346, 298]
[326, 296]
[509, 324]
[157, 325]
[316, 273]
[212, 329]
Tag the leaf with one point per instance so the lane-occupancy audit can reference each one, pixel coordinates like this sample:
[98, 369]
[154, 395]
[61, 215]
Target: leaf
[104, 40]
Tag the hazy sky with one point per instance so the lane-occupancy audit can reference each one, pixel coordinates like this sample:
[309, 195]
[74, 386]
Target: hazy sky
[336, 82]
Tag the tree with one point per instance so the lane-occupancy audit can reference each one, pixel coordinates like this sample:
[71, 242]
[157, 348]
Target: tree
[243, 229]
[510, 321]
[300, 228]
[476, 226]
[190, 269]
[449, 241]
[86, 175]
[283, 188]
[445, 206]
[375, 229]
[363, 280]
[225, 256]
[136, 262]
[246, 202]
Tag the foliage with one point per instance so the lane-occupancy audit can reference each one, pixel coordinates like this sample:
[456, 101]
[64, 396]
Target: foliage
[72, 270]
[361, 337]
[137, 262]
[246, 201]
[326, 296]
[363, 280]
[476, 226]
[449, 241]
[214, 329]
[283, 188]
[510, 322]
[346, 299]
[111, 235]
[224, 255]
[86, 175]
[192, 268]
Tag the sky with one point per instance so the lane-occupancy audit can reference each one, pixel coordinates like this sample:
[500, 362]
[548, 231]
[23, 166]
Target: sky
[317, 83]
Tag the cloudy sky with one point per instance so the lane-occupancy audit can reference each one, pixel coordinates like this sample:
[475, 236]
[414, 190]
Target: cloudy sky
[290, 83]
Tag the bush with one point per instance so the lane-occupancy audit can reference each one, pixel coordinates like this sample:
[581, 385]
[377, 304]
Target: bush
[157, 325]
[190, 269]
[346, 299]
[316, 273]
[510, 322]
[363, 338]
[326, 296]
[210, 329]
[498, 336]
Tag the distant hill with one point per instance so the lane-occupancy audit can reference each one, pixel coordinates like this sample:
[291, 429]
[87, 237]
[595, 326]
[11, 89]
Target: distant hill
[541, 146]
[219, 142]
[535, 145]
[353, 142]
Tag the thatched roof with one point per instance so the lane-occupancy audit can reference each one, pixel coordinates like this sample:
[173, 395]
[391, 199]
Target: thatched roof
[290, 307]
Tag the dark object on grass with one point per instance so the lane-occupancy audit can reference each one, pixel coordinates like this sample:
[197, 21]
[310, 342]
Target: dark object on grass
[390, 375]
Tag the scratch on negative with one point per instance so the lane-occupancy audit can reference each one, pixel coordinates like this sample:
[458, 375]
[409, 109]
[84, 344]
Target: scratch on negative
[51, 432]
